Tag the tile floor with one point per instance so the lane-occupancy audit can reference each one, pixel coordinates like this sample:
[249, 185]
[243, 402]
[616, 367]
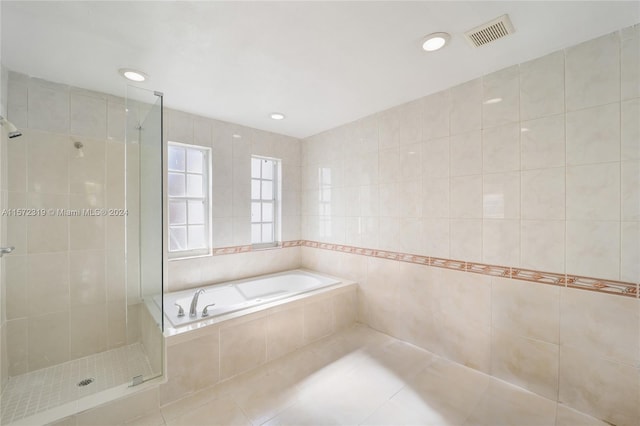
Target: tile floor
[362, 377]
[40, 390]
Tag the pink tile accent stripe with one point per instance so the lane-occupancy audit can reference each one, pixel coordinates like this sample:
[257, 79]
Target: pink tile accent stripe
[564, 280]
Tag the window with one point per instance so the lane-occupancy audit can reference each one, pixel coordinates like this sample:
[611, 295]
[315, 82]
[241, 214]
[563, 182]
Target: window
[265, 208]
[189, 195]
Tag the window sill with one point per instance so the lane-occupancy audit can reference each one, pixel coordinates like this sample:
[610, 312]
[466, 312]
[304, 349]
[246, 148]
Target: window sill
[190, 256]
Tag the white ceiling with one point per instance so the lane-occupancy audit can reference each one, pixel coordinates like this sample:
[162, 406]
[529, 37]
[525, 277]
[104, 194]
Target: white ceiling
[321, 63]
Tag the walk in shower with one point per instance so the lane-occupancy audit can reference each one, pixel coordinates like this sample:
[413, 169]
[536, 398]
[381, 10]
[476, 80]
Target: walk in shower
[81, 204]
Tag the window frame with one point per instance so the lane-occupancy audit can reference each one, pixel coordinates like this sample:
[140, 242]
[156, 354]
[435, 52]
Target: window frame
[206, 199]
[275, 200]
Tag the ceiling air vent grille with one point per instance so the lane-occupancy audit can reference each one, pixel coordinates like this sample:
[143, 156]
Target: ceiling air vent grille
[491, 31]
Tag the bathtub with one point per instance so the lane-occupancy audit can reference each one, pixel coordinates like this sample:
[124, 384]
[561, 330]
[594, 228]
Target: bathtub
[242, 294]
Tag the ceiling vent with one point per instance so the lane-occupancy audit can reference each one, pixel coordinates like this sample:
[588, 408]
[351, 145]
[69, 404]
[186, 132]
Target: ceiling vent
[490, 31]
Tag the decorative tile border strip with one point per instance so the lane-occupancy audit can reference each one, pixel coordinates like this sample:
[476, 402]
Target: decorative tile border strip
[219, 251]
[586, 283]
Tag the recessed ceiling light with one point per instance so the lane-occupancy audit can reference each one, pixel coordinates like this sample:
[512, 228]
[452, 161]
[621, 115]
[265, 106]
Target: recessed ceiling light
[236, 136]
[277, 116]
[435, 41]
[492, 101]
[133, 75]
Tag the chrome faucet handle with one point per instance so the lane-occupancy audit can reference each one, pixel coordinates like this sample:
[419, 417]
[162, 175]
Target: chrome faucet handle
[6, 250]
[180, 310]
[205, 311]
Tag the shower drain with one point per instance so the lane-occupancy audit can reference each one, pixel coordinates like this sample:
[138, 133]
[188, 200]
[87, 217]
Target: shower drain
[85, 382]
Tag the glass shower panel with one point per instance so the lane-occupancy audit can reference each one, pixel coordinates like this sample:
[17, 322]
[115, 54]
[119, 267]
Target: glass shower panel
[145, 230]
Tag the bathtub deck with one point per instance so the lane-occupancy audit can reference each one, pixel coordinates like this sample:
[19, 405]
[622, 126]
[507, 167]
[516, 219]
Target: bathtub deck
[360, 376]
[40, 390]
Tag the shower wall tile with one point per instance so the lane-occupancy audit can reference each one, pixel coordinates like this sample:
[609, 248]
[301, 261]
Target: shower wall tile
[542, 87]
[500, 97]
[48, 340]
[16, 168]
[87, 278]
[47, 283]
[116, 119]
[630, 130]
[15, 270]
[593, 135]
[47, 157]
[17, 346]
[630, 62]
[17, 109]
[88, 330]
[88, 115]
[16, 229]
[48, 106]
[592, 73]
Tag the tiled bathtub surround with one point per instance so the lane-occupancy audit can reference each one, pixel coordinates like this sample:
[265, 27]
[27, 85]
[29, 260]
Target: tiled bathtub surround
[535, 167]
[198, 359]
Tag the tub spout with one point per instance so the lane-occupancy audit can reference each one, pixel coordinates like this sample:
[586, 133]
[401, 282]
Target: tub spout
[193, 311]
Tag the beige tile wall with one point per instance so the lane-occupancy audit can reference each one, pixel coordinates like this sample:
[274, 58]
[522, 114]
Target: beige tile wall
[533, 166]
[4, 363]
[199, 359]
[65, 289]
[575, 346]
[231, 148]
[545, 179]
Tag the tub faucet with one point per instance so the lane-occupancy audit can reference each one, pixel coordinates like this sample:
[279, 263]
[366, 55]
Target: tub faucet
[193, 311]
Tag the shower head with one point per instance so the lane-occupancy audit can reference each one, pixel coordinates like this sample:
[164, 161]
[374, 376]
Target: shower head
[12, 131]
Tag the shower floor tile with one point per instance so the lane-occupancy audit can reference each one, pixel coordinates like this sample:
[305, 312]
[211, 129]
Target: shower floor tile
[40, 390]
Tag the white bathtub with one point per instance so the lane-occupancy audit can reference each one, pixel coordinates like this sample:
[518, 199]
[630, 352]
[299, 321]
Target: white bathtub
[237, 295]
